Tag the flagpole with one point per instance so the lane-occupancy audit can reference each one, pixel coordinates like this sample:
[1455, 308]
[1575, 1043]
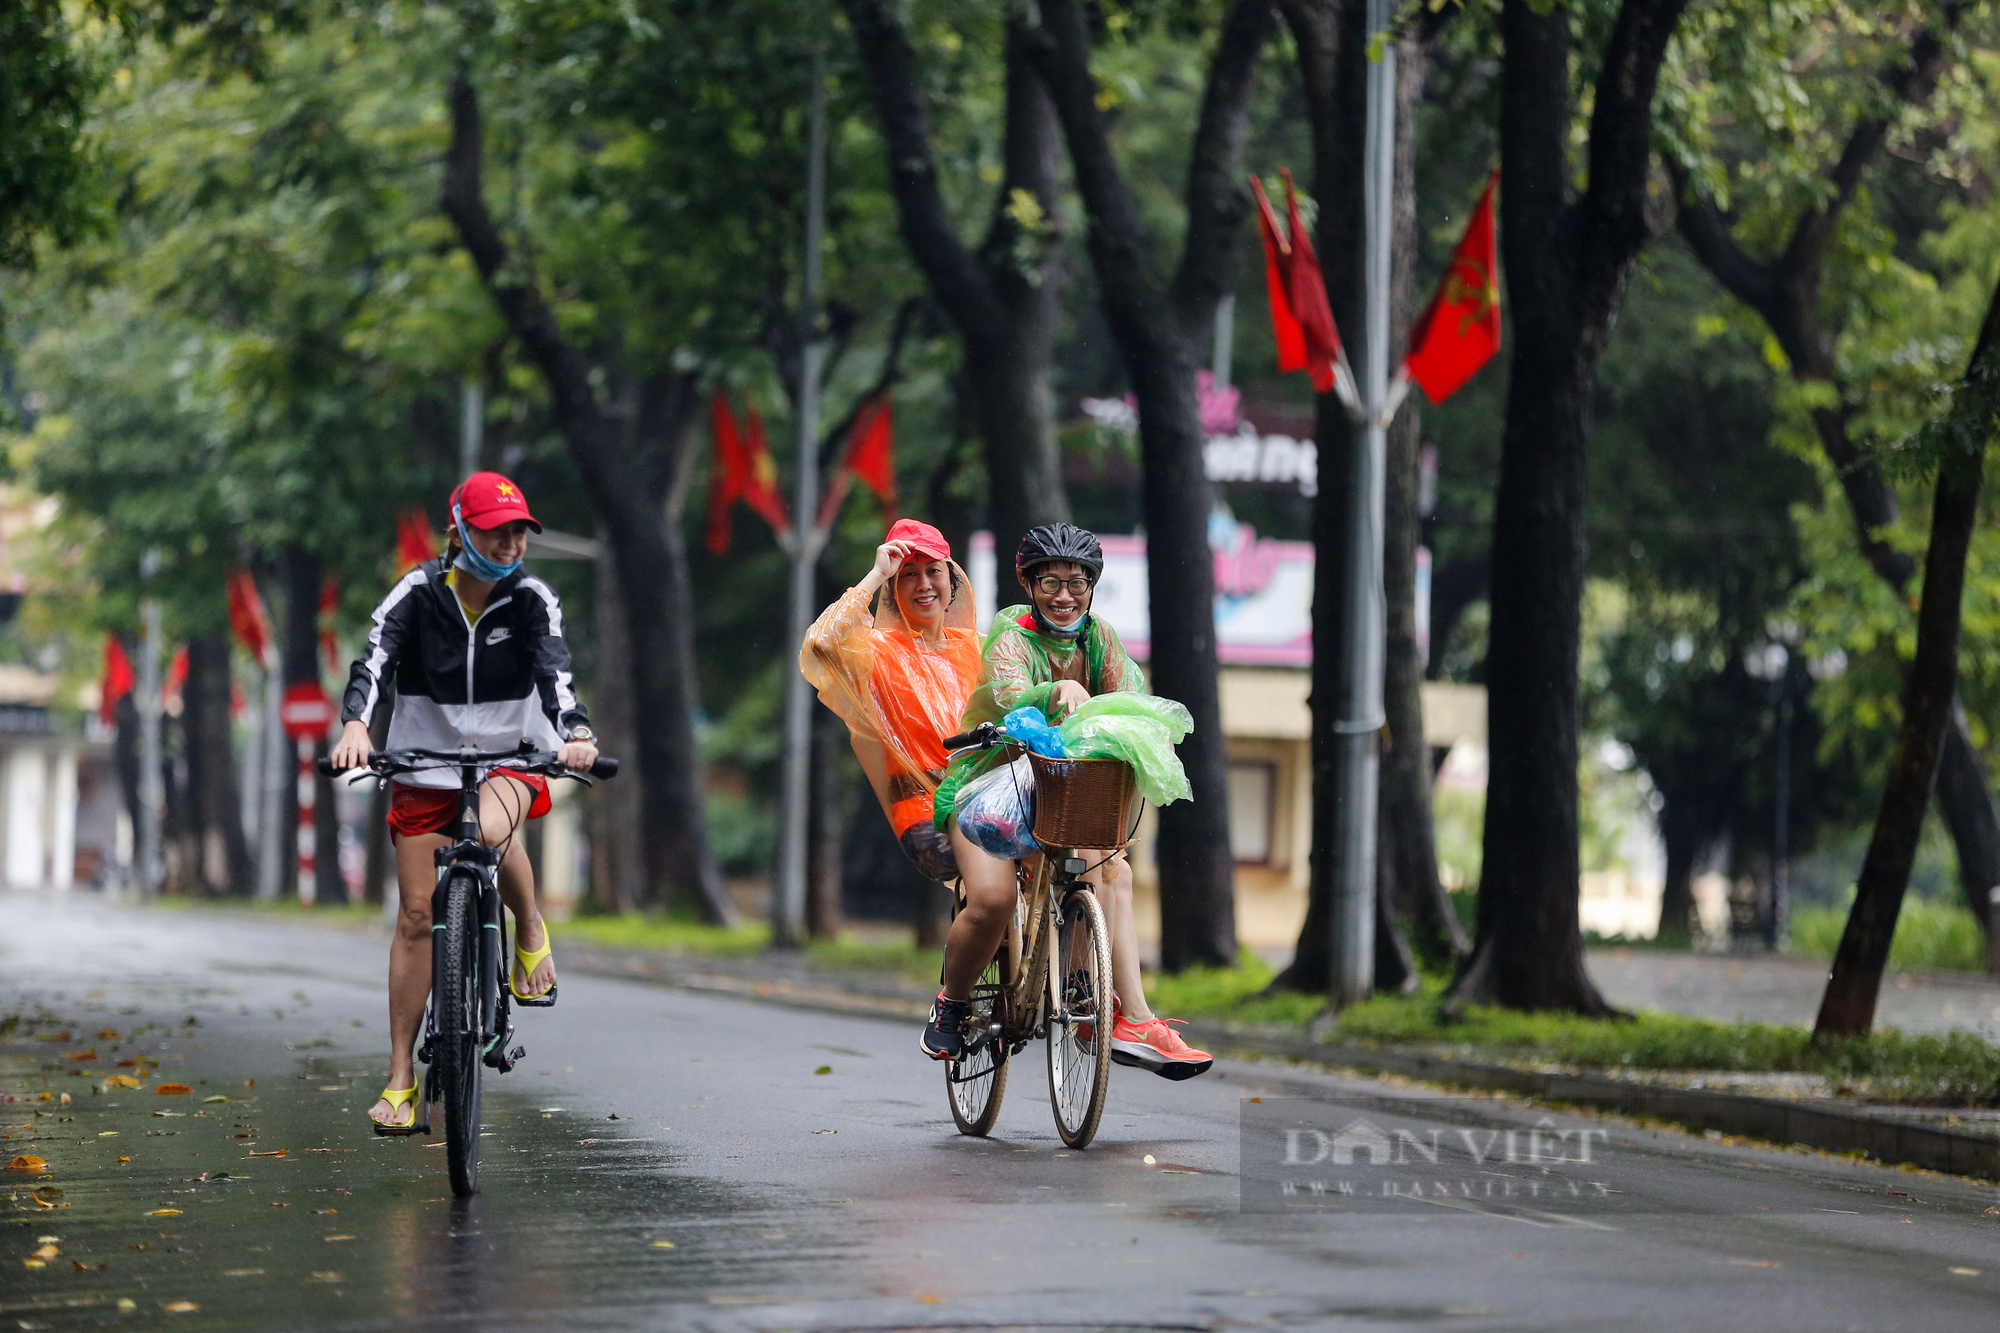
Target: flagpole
[152, 783]
[788, 900]
[1362, 611]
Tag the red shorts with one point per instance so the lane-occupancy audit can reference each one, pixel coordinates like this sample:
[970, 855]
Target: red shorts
[419, 810]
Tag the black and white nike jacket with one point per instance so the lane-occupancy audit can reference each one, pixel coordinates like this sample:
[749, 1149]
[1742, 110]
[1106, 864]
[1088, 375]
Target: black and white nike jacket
[488, 683]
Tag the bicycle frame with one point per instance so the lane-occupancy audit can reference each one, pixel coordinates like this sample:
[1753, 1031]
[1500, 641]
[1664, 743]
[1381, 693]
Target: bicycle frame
[1029, 999]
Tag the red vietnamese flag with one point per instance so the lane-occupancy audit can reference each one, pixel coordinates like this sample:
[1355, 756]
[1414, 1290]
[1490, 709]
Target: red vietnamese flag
[760, 486]
[177, 676]
[873, 456]
[246, 617]
[118, 681]
[727, 482]
[329, 609]
[415, 542]
[1301, 319]
[742, 472]
[1460, 331]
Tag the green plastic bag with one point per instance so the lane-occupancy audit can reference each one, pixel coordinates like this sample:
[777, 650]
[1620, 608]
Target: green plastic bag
[1140, 729]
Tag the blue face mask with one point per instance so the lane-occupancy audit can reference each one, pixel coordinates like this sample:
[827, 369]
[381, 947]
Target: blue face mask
[474, 563]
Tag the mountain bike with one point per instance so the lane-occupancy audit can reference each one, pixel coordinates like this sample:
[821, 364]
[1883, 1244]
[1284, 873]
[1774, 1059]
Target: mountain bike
[1051, 978]
[467, 1026]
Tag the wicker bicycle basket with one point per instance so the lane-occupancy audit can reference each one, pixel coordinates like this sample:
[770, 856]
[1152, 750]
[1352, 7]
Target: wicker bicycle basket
[1082, 802]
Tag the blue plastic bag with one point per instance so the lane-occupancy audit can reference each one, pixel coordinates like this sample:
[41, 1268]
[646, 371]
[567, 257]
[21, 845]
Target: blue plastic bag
[997, 811]
[1027, 725]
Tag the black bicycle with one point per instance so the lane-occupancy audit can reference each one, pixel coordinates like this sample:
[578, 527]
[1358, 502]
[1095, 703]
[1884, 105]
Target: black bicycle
[467, 1027]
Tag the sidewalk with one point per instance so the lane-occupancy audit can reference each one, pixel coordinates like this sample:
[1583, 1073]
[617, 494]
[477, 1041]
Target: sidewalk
[1768, 988]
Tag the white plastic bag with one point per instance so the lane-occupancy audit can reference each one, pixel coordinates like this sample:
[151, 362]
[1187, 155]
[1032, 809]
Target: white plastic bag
[997, 811]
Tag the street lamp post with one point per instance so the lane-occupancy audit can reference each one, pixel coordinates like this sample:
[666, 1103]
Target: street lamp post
[788, 901]
[1357, 729]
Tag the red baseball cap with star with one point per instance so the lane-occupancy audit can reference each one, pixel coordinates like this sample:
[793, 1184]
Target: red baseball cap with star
[489, 500]
[922, 537]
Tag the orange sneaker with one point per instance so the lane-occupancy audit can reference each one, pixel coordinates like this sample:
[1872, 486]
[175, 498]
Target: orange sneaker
[1156, 1046]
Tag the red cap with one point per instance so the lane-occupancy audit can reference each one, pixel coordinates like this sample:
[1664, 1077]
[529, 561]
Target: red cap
[489, 500]
[922, 537]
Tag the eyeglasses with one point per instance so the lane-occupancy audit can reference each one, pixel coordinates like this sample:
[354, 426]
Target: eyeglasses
[1051, 585]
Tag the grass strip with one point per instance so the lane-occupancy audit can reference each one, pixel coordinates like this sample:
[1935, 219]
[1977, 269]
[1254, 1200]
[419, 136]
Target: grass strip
[1957, 1069]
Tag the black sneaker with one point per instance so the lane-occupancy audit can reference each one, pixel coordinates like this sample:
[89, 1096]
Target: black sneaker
[944, 1033]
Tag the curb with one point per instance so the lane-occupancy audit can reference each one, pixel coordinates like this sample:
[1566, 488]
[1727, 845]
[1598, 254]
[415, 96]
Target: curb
[1768, 1119]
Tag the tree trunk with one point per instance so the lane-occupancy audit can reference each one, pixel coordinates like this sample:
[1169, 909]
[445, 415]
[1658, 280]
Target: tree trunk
[1848, 1008]
[823, 825]
[617, 859]
[1681, 830]
[1006, 299]
[646, 543]
[1160, 329]
[1566, 267]
[213, 787]
[1331, 38]
[1409, 844]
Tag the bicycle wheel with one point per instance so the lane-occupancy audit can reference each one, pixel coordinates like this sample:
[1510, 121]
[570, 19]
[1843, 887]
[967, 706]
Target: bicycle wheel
[1079, 1029]
[456, 995]
[976, 1083]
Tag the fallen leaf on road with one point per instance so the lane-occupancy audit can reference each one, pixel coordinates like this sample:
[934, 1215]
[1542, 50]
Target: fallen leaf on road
[326, 1277]
[123, 1160]
[107, 1133]
[81, 1055]
[34, 1263]
[275, 1152]
[334, 1238]
[318, 1212]
[663, 1245]
[27, 1162]
[47, 1252]
[215, 1099]
[180, 1307]
[119, 1081]
[242, 1272]
[1966, 1272]
[109, 1034]
[824, 1069]
[172, 1089]
[65, 1099]
[166, 1212]
[1151, 1160]
[928, 1299]
[126, 1305]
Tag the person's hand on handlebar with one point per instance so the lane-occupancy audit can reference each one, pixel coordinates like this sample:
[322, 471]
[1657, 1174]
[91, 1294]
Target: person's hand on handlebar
[353, 747]
[578, 756]
[1068, 696]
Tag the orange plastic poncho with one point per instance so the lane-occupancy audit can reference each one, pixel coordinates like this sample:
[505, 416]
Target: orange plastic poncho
[900, 692]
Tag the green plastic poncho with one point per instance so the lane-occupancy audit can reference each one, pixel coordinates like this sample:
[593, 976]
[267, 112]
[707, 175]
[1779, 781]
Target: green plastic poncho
[1021, 665]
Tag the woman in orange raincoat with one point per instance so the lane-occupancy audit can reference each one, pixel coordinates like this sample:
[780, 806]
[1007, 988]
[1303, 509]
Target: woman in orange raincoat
[899, 675]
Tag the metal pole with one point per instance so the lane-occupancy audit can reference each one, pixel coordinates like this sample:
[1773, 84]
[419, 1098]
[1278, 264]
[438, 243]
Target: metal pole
[152, 790]
[471, 426]
[788, 902]
[1780, 931]
[277, 777]
[1358, 761]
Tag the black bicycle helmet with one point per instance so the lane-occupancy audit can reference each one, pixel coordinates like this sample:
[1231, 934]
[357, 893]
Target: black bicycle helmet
[1059, 541]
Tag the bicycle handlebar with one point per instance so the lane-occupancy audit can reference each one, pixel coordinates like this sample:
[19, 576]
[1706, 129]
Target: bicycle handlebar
[385, 762]
[982, 737]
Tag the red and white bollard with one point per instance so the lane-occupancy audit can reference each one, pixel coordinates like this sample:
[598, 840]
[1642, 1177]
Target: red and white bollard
[308, 829]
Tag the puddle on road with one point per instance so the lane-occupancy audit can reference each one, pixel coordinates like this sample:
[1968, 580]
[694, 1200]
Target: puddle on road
[346, 1228]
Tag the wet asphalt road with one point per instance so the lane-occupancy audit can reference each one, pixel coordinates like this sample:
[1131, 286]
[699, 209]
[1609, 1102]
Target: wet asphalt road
[670, 1160]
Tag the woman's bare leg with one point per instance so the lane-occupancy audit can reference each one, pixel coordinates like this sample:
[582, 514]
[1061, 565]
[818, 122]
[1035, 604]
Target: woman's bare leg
[409, 965]
[503, 808]
[990, 891]
[1114, 894]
